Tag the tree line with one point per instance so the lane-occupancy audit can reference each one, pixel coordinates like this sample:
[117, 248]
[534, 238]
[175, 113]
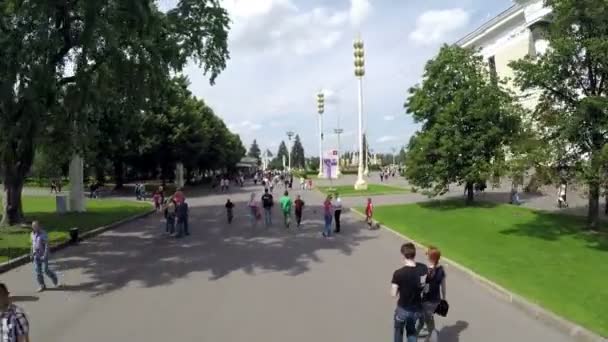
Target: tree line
[474, 130]
[298, 158]
[100, 79]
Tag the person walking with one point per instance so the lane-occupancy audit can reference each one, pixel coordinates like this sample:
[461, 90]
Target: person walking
[170, 217]
[181, 215]
[229, 210]
[253, 210]
[337, 212]
[267, 203]
[406, 285]
[299, 206]
[40, 256]
[434, 291]
[369, 213]
[286, 205]
[14, 326]
[327, 215]
[561, 196]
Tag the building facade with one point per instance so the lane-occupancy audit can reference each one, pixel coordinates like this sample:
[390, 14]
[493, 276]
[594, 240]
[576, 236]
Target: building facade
[513, 34]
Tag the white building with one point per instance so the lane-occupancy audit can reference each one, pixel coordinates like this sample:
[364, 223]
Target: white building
[512, 35]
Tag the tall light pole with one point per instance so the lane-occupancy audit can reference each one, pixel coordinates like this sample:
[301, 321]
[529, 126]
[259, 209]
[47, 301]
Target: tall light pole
[360, 184]
[394, 151]
[290, 134]
[320, 110]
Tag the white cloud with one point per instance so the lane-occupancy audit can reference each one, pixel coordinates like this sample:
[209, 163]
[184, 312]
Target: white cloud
[387, 138]
[435, 26]
[279, 26]
[244, 127]
[389, 117]
[359, 10]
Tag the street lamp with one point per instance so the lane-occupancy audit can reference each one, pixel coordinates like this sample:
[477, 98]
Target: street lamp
[394, 151]
[320, 110]
[290, 134]
[360, 184]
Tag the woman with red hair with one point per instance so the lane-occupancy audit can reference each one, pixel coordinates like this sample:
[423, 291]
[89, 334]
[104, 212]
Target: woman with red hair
[434, 291]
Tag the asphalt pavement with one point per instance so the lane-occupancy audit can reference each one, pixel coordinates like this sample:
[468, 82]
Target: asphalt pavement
[228, 283]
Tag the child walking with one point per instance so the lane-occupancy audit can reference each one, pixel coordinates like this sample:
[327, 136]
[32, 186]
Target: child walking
[229, 210]
[369, 213]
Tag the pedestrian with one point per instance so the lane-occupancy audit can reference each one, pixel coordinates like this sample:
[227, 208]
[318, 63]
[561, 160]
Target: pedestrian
[302, 183]
[157, 201]
[179, 196]
[407, 285]
[310, 184]
[14, 326]
[561, 196]
[286, 205]
[170, 217]
[255, 179]
[40, 256]
[272, 182]
[267, 203]
[327, 215]
[181, 216]
[229, 210]
[381, 177]
[253, 210]
[54, 186]
[337, 212]
[369, 213]
[299, 206]
[137, 196]
[434, 291]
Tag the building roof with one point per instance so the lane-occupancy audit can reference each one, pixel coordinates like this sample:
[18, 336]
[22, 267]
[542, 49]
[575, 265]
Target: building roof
[491, 24]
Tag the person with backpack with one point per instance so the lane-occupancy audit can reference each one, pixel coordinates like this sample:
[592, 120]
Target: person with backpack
[267, 203]
[434, 292]
[406, 285]
[286, 205]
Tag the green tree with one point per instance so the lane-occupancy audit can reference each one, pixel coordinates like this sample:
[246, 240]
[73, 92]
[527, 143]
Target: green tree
[572, 77]
[48, 81]
[254, 150]
[298, 159]
[277, 162]
[467, 122]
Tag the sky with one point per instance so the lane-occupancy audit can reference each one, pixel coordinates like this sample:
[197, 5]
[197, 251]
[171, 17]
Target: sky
[283, 52]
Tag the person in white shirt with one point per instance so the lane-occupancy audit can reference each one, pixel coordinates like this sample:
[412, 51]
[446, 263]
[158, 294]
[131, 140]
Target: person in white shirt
[337, 212]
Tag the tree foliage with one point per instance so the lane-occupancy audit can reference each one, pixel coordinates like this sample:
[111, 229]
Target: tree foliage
[467, 122]
[66, 66]
[572, 78]
[254, 150]
[298, 159]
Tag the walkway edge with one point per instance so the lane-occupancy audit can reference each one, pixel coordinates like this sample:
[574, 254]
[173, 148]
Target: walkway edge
[24, 259]
[580, 334]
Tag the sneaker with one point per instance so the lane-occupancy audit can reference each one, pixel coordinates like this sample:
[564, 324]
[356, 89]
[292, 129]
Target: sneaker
[41, 289]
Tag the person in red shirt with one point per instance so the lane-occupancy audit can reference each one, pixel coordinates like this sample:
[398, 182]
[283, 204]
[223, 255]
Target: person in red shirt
[369, 212]
[179, 196]
[299, 207]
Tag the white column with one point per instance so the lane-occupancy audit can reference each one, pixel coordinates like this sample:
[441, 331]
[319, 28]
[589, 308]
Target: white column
[361, 184]
[76, 197]
[179, 175]
[320, 146]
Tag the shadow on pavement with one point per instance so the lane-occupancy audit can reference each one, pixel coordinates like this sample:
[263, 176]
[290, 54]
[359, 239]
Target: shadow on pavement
[17, 299]
[451, 333]
[140, 254]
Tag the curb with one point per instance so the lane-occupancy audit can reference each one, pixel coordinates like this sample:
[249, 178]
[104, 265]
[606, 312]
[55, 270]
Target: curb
[25, 259]
[574, 330]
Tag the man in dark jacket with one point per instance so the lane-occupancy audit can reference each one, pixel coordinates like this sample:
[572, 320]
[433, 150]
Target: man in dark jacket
[181, 213]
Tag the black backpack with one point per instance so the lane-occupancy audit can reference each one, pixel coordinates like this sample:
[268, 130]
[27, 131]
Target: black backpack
[442, 308]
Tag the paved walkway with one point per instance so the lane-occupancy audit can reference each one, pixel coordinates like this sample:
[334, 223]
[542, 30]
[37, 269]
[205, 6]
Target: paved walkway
[235, 283]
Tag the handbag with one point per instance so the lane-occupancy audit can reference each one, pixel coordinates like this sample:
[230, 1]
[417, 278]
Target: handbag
[442, 308]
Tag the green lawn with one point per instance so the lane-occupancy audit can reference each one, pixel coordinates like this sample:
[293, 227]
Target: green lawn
[15, 241]
[372, 190]
[544, 257]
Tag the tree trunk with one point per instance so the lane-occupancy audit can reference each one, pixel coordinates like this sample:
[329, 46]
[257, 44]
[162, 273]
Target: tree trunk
[470, 192]
[594, 206]
[119, 174]
[12, 206]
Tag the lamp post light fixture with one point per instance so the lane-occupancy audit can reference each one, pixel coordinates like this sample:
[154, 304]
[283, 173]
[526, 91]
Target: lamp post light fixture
[359, 54]
[290, 135]
[320, 110]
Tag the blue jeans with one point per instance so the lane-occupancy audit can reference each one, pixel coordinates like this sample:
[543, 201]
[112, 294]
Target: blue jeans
[42, 266]
[182, 227]
[405, 320]
[268, 216]
[327, 229]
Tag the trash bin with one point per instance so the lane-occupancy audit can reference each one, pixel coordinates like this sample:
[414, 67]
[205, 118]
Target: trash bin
[61, 204]
[74, 235]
